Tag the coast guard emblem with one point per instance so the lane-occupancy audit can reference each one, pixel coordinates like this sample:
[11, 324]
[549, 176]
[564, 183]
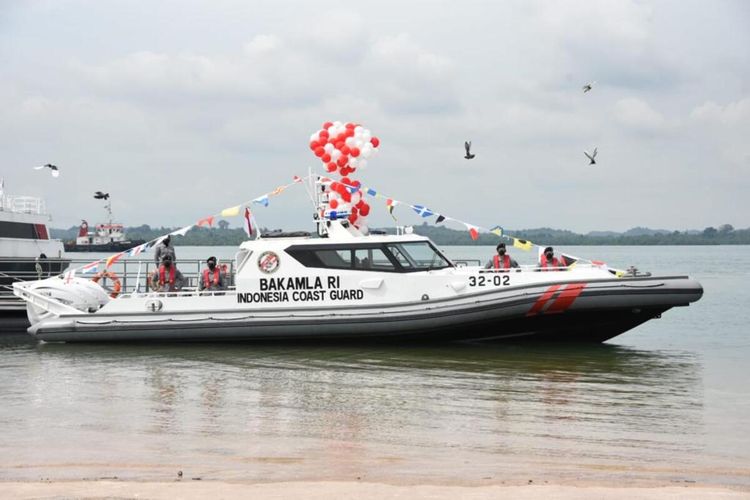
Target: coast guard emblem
[268, 262]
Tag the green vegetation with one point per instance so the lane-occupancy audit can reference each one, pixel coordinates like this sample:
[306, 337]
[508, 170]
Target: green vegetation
[223, 235]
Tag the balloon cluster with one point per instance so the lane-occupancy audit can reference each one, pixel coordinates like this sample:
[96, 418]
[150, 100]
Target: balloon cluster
[343, 148]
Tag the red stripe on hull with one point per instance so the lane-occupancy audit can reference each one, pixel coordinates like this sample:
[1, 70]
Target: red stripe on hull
[566, 298]
[541, 301]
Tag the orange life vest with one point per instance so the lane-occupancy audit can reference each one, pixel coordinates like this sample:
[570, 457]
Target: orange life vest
[555, 262]
[496, 262]
[207, 280]
[162, 276]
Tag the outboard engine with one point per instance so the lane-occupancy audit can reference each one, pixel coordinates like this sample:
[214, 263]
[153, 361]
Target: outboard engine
[79, 293]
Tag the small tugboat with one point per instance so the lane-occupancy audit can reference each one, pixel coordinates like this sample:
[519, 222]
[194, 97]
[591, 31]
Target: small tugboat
[26, 250]
[108, 237]
[348, 285]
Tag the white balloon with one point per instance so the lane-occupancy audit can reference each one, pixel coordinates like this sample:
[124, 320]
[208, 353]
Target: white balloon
[356, 198]
[349, 142]
[335, 154]
[328, 147]
[366, 151]
[358, 130]
[314, 137]
[362, 163]
[333, 195]
[353, 162]
[344, 207]
[373, 153]
[331, 131]
[338, 124]
[358, 142]
[366, 135]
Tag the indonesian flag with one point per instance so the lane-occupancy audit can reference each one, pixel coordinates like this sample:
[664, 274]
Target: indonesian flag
[473, 232]
[114, 258]
[208, 221]
[248, 225]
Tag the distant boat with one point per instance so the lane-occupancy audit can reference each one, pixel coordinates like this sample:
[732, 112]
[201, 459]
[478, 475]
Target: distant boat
[26, 250]
[108, 237]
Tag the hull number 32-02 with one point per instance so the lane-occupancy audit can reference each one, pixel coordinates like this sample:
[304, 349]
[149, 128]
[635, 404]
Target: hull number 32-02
[494, 280]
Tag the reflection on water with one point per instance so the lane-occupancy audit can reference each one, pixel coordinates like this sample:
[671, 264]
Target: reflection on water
[260, 412]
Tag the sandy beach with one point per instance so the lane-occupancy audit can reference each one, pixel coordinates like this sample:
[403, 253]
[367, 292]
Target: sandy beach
[364, 491]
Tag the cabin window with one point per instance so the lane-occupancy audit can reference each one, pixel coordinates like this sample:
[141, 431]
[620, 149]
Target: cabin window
[392, 257]
[21, 230]
[418, 255]
[372, 259]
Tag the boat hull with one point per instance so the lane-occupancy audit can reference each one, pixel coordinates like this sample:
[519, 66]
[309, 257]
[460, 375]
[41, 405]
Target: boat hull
[598, 312]
[117, 246]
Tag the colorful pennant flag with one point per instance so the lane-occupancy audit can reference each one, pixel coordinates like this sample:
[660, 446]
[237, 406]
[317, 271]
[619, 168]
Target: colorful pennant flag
[278, 190]
[497, 230]
[371, 192]
[262, 200]
[90, 268]
[207, 221]
[179, 232]
[423, 211]
[473, 232]
[114, 258]
[137, 250]
[231, 211]
[522, 244]
[296, 179]
[440, 219]
[248, 223]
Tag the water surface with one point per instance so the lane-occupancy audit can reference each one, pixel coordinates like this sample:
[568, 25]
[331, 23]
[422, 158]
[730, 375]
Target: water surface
[665, 402]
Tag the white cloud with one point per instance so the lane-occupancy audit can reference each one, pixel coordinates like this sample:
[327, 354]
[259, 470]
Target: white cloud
[638, 115]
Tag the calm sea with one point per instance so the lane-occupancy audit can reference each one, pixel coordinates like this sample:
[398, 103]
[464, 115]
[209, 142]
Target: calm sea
[667, 402]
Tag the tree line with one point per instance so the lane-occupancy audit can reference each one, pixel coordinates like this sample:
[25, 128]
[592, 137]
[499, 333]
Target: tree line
[222, 235]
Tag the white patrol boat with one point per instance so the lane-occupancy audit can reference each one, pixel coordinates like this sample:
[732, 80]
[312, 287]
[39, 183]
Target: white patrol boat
[345, 285]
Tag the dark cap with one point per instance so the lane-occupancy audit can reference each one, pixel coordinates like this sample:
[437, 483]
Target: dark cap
[500, 245]
[166, 258]
[548, 249]
[211, 259]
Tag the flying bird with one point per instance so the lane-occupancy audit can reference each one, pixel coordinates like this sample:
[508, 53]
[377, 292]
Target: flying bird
[467, 145]
[591, 157]
[588, 87]
[52, 168]
[101, 196]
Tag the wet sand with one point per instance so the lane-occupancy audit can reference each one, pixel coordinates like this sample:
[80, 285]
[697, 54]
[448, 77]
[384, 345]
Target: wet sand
[324, 490]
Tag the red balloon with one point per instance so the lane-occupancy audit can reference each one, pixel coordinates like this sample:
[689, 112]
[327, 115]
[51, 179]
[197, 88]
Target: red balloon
[344, 149]
[346, 180]
[354, 152]
[319, 151]
[357, 184]
[343, 159]
[323, 134]
[333, 203]
[375, 142]
[355, 212]
[331, 167]
[327, 124]
[346, 196]
[352, 218]
[326, 157]
[349, 132]
[314, 145]
[360, 204]
[349, 125]
[364, 211]
[339, 144]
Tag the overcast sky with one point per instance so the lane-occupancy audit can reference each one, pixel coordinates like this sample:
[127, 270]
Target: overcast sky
[180, 108]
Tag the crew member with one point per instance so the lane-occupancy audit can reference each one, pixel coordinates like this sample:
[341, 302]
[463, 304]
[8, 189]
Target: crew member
[548, 260]
[212, 279]
[502, 260]
[167, 278]
[162, 249]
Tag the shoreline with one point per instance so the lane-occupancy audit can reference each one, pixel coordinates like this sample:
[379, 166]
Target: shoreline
[193, 489]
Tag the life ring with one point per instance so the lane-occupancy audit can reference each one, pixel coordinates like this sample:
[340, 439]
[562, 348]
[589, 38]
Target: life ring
[116, 285]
